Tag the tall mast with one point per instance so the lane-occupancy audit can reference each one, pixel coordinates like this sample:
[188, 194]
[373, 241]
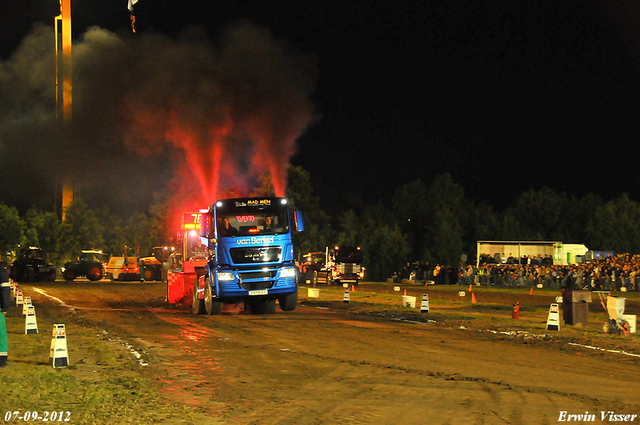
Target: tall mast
[62, 24]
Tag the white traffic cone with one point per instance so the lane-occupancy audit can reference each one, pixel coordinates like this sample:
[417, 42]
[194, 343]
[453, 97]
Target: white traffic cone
[345, 299]
[424, 306]
[25, 306]
[553, 320]
[59, 356]
[30, 321]
[19, 298]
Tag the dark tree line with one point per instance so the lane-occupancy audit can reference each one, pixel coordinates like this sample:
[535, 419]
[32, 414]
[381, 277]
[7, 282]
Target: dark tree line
[437, 223]
[433, 224]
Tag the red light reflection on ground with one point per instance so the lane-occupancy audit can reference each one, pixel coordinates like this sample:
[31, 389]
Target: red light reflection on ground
[192, 367]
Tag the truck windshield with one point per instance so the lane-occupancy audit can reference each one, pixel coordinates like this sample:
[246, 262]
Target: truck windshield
[246, 217]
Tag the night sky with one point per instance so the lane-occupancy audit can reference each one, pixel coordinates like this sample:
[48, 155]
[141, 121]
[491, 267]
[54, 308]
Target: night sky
[505, 96]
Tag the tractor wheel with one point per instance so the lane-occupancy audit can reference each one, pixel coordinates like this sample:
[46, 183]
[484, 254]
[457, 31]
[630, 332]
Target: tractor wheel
[197, 305]
[95, 273]
[212, 306]
[149, 274]
[69, 275]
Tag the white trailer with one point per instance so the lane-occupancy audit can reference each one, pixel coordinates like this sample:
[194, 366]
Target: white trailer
[561, 253]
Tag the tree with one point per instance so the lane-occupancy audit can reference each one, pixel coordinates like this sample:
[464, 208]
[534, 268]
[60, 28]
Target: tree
[385, 250]
[11, 233]
[539, 213]
[446, 235]
[44, 229]
[317, 231]
[616, 226]
[448, 217]
[411, 210]
[83, 228]
[350, 229]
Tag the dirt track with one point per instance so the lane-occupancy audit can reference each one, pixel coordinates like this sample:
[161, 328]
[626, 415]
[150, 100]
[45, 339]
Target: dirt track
[367, 362]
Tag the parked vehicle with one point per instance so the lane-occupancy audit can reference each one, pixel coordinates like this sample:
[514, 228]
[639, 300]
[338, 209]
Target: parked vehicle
[91, 263]
[31, 266]
[124, 268]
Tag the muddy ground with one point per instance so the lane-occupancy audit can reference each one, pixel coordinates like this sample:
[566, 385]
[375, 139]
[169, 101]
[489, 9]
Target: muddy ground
[369, 361]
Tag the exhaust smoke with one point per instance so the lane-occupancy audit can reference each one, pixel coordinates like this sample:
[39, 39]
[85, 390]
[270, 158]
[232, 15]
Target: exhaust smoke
[202, 118]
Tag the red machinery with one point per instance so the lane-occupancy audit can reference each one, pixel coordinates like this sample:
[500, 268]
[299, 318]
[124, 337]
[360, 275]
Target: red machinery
[188, 262]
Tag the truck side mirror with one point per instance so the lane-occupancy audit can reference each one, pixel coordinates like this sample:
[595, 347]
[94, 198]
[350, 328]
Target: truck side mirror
[204, 225]
[297, 215]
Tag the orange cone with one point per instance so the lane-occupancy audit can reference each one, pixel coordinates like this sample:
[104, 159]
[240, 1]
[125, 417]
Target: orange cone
[405, 292]
[470, 288]
[473, 298]
[531, 291]
[353, 288]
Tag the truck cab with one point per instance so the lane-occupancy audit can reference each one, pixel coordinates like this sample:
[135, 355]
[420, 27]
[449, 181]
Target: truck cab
[345, 265]
[250, 256]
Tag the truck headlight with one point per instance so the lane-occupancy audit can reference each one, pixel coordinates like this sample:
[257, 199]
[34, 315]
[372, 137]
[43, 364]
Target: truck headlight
[288, 272]
[225, 276]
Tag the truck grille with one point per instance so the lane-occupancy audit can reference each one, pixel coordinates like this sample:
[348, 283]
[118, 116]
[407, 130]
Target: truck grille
[255, 255]
[249, 286]
[270, 274]
[349, 268]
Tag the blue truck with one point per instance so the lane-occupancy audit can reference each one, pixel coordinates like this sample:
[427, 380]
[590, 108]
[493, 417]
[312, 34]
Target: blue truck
[250, 256]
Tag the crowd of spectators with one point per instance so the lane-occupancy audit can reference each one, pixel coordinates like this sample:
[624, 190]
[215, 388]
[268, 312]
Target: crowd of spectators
[600, 274]
[611, 273]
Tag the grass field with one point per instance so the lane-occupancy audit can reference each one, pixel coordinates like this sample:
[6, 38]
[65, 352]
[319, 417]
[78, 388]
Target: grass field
[102, 385]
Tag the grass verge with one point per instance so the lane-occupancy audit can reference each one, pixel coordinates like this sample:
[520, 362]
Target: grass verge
[102, 385]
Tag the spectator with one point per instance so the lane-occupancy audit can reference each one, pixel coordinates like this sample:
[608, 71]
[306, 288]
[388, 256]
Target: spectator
[5, 300]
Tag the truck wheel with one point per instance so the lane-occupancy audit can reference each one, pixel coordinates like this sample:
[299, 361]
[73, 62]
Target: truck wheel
[212, 306]
[197, 305]
[288, 302]
[69, 275]
[95, 273]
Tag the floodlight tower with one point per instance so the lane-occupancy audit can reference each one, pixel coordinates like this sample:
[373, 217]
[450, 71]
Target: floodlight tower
[62, 26]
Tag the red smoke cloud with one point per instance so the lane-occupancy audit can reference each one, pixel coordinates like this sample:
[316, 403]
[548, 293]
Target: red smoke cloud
[229, 112]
